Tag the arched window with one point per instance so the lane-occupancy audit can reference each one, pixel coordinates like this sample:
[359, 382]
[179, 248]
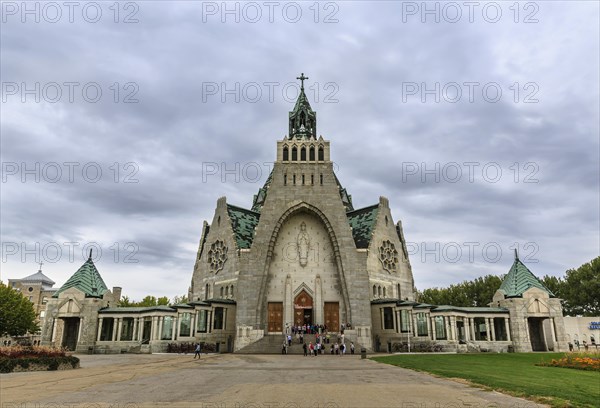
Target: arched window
[294, 153]
[206, 292]
[321, 178]
[294, 179]
[384, 292]
[285, 179]
[311, 153]
[231, 290]
[221, 292]
[303, 154]
[286, 153]
[399, 293]
[374, 290]
[379, 290]
[312, 179]
[321, 153]
[303, 179]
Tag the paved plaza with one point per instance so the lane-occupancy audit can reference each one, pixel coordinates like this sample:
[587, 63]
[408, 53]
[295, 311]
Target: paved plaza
[232, 380]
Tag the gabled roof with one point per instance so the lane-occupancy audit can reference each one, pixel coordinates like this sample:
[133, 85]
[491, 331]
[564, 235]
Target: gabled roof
[243, 222]
[87, 279]
[362, 222]
[38, 277]
[519, 279]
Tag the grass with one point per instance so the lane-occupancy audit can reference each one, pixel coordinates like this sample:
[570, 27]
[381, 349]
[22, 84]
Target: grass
[512, 373]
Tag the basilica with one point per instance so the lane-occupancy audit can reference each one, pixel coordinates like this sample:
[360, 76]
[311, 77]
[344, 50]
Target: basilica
[300, 254]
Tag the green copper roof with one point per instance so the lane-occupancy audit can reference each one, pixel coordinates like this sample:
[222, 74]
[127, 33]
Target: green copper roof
[243, 221]
[87, 279]
[362, 222]
[137, 309]
[519, 279]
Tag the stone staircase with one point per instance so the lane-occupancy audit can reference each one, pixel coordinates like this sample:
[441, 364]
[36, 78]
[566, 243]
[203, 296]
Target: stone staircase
[272, 344]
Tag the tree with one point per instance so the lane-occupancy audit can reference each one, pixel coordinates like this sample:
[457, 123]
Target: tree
[478, 292]
[581, 291]
[179, 299]
[555, 285]
[148, 301]
[17, 316]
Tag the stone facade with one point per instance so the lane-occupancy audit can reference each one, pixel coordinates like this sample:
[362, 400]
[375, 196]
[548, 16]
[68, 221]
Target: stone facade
[302, 254]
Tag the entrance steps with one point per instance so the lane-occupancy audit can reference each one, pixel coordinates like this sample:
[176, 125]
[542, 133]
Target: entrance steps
[272, 344]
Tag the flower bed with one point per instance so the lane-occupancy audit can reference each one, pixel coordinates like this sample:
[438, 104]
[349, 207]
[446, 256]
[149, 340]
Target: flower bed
[579, 361]
[21, 358]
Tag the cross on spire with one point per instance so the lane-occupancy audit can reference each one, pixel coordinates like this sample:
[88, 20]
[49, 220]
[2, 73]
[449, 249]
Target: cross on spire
[302, 78]
[41, 263]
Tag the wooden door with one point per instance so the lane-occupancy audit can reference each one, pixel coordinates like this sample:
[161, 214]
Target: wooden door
[275, 310]
[332, 316]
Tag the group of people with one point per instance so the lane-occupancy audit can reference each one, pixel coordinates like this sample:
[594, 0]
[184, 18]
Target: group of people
[585, 345]
[319, 348]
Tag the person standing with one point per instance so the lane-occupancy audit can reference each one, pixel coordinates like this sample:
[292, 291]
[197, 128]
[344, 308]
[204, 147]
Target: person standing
[305, 348]
[351, 348]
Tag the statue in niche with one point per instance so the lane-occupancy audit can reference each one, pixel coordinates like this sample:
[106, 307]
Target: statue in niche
[302, 242]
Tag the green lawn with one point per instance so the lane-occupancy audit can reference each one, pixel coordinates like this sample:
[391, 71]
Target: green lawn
[512, 373]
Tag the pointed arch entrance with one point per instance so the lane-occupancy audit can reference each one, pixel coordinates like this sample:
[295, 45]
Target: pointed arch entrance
[303, 309]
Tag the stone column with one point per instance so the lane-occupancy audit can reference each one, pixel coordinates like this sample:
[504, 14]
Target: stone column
[397, 314]
[493, 337]
[160, 327]
[193, 318]
[154, 330]
[318, 302]
[454, 328]
[119, 328]
[507, 325]
[80, 329]
[553, 332]
[433, 329]
[141, 329]
[472, 326]
[100, 320]
[428, 320]
[415, 330]
[175, 327]
[114, 329]
[135, 328]
[487, 329]
[288, 302]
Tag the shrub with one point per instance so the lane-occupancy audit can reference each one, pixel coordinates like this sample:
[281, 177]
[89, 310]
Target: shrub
[19, 351]
[52, 363]
[418, 347]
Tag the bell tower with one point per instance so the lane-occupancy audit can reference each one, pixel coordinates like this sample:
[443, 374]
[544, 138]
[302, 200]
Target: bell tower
[303, 120]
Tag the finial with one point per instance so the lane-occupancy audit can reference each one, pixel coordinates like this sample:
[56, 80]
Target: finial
[302, 78]
[516, 255]
[90, 253]
[41, 263]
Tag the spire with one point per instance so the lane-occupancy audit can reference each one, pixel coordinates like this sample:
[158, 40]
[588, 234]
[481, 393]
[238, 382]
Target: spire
[519, 278]
[302, 120]
[87, 279]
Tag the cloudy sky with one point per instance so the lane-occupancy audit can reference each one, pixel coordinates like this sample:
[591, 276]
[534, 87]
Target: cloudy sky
[121, 126]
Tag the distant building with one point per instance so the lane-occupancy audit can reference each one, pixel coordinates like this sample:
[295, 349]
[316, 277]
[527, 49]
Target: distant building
[37, 288]
[303, 255]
